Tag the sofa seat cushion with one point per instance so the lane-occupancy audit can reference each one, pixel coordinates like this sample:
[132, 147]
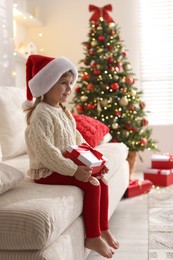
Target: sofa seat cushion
[32, 216]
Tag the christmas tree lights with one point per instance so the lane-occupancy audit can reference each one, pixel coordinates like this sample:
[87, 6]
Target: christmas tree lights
[106, 87]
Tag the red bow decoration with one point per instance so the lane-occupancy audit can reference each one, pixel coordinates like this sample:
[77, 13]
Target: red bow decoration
[86, 147]
[101, 12]
[135, 182]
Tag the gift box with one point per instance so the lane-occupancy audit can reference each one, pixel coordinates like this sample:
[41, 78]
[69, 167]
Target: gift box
[159, 177]
[164, 161]
[138, 187]
[86, 155]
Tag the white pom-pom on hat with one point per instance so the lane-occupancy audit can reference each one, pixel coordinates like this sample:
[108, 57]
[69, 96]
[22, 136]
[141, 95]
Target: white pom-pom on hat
[27, 104]
[43, 72]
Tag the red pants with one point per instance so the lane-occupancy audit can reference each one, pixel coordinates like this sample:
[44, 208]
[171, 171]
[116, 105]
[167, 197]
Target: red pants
[95, 206]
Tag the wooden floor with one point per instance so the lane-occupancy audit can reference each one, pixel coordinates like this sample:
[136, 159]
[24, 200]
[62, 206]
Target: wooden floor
[129, 224]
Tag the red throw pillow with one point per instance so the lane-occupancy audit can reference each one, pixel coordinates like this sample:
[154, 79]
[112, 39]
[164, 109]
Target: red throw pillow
[91, 129]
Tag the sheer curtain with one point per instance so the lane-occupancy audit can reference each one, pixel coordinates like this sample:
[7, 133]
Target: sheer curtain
[156, 55]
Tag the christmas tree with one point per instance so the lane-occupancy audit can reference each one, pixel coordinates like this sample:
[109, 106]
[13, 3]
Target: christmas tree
[106, 87]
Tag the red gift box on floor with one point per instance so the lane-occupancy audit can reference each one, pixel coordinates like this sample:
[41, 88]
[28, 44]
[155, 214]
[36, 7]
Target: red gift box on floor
[164, 161]
[86, 155]
[159, 177]
[137, 187]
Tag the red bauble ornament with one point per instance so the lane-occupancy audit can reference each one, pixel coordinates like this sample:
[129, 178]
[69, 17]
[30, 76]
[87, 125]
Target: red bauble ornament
[110, 59]
[110, 47]
[97, 72]
[131, 107]
[144, 122]
[92, 31]
[90, 86]
[135, 129]
[128, 126]
[79, 108]
[144, 141]
[88, 46]
[101, 38]
[90, 106]
[117, 113]
[111, 68]
[93, 65]
[142, 104]
[77, 89]
[86, 62]
[119, 64]
[85, 76]
[124, 90]
[114, 140]
[124, 54]
[129, 80]
[115, 86]
[91, 53]
[112, 32]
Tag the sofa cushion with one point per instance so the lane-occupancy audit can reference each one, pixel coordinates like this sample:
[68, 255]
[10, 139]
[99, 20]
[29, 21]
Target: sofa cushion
[9, 177]
[12, 122]
[32, 216]
[92, 130]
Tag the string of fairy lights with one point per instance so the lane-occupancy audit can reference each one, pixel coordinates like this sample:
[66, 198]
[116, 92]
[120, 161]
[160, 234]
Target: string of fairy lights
[106, 88]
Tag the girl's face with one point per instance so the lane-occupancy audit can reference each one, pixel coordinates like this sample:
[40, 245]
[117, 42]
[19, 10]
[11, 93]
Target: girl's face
[60, 92]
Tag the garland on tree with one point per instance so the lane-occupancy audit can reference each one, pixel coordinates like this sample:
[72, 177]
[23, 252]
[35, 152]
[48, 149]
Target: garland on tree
[106, 87]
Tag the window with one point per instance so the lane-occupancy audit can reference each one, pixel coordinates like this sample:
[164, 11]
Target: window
[156, 44]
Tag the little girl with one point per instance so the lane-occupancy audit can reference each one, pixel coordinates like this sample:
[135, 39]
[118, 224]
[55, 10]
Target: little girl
[50, 129]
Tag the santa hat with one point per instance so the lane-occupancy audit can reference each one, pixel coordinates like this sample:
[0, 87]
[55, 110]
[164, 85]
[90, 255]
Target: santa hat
[43, 72]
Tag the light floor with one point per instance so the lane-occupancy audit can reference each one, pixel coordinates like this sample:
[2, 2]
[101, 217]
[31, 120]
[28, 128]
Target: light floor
[129, 224]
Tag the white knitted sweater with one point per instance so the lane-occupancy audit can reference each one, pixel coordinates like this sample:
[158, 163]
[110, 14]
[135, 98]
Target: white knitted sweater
[47, 137]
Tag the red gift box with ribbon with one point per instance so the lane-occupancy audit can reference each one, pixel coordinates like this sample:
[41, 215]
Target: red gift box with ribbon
[85, 155]
[159, 177]
[164, 161]
[138, 187]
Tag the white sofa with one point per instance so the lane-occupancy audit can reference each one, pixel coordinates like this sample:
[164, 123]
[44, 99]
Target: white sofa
[44, 222]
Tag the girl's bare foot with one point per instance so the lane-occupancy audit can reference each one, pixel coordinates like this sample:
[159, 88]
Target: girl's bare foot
[106, 234]
[99, 245]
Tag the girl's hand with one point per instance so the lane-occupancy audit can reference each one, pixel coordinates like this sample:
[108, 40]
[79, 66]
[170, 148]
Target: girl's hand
[83, 173]
[104, 170]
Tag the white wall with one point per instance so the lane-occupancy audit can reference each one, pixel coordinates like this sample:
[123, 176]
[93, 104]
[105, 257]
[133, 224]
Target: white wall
[66, 27]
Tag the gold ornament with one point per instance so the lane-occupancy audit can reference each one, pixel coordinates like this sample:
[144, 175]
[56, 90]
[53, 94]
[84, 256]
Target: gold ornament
[83, 98]
[93, 43]
[127, 66]
[133, 92]
[99, 109]
[104, 102]
[110, 100]
[123, 101]
[114, 125]
[100, 50]
[99, 28]
[116, 78]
